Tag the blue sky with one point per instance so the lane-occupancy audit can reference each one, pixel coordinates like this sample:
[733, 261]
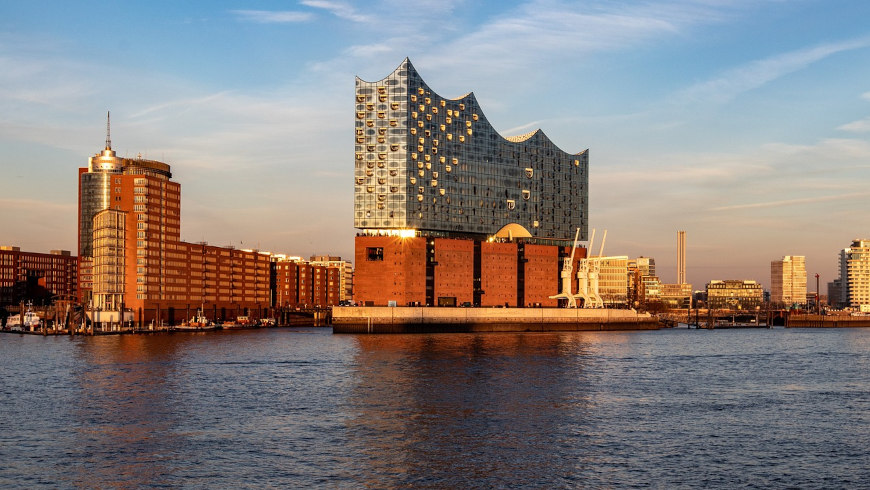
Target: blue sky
[745, 123]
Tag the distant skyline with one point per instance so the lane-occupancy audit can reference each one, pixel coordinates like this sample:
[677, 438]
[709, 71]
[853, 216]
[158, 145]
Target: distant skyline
[744, 123]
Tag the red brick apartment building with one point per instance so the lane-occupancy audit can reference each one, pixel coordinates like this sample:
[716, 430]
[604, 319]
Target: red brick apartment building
[131, 255]
[37, 277]
[301, 284]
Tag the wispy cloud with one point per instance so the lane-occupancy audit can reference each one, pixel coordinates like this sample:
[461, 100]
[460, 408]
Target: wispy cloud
[760, 72]
[535, 36]
[273, 17]
[791, 202]
[861, 126]
[521, 129]
[339, 9]
[36, 204]
[32, 81]
[176, 103]
[539, 32]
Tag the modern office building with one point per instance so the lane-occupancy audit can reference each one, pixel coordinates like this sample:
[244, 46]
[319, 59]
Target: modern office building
[449, 211]
[645, 265]
[855, 274]
[613, 281]
[651, 289]
[843, 269]
[734, 295]
[835, 294]
[676, 295]
[131, 256]
[34, 277]
[644, 285]
[788, 281]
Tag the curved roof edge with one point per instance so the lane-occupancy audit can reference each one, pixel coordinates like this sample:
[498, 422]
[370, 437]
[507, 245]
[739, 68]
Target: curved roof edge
[522, 137]
[398, 67]
[470, 96]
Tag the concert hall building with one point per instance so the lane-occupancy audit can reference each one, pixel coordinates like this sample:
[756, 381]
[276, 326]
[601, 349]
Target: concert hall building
[449, 211]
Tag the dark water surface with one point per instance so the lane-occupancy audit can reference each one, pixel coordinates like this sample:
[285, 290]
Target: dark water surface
[302, 407]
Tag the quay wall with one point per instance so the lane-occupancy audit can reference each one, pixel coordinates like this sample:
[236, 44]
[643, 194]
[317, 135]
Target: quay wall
[827, 321]
[385, 319]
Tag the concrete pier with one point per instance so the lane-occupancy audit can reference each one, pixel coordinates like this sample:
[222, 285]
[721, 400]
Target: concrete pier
[385, 319]
[827, 321]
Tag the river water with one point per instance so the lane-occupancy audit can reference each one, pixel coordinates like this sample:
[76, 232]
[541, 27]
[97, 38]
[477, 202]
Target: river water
[302, 407]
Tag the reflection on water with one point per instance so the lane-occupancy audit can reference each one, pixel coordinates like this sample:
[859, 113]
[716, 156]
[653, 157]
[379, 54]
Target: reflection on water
[301, 407]
[430, 409]
[123, 407]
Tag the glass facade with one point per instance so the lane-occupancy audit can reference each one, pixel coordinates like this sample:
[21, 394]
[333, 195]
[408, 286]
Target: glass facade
[96, 189]
[428, 163]
[109, 259]
[613, 280]
[788, 281]
[734, 295]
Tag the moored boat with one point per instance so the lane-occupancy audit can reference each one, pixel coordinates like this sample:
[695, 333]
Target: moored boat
[31, 319]
[13, 323]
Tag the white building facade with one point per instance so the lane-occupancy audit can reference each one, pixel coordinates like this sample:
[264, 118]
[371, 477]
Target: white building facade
[855, 273]
[788, 280]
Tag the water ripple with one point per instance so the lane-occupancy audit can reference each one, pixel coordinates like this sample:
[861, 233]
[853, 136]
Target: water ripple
[301, 407]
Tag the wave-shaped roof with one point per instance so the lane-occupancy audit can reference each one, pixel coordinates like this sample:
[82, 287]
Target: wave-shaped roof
[470, 99]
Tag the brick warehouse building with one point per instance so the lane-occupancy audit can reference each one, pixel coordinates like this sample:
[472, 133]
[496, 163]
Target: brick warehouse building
[131, 255]
[37, 277]
[449, 211]
[301, 284]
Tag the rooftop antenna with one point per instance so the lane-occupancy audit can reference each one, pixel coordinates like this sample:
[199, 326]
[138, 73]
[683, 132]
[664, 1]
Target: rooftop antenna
[108, 133]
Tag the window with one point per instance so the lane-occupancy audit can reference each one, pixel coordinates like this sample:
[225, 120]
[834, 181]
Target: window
[375, 254]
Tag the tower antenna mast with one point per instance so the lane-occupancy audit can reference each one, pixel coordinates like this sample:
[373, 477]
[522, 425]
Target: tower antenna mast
[108, 133]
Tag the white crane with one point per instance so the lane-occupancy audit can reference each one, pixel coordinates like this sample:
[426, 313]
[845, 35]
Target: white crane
[567, 267]
[583, 275]
[588, 270]
[594, 271]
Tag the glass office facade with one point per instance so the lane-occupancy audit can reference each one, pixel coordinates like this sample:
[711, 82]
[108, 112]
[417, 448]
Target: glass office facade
[427, 163]
[109, 259]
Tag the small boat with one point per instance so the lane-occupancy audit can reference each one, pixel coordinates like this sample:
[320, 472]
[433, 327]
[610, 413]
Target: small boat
[13, 323]
[199, 321]
[31, 319]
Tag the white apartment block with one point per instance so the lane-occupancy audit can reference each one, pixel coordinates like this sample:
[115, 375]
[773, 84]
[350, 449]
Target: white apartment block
[788, 280]
[855, 273]
[613, 280]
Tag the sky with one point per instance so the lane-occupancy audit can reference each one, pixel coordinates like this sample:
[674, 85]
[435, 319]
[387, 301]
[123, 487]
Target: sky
[744, 123]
